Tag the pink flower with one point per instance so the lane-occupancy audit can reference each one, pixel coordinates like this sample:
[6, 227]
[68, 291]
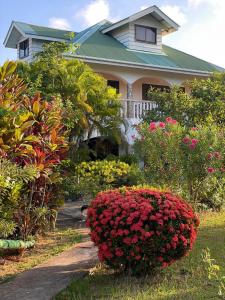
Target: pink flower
[194, 141]
[162, 124]
[152, 126]
[209, 155]
[217, 155]
[186, 140]
[194, 128]
[169, 119]
[210, 170]
[192, 146]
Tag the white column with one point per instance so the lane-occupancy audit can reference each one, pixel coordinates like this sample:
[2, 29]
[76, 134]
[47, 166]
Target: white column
[130, 110]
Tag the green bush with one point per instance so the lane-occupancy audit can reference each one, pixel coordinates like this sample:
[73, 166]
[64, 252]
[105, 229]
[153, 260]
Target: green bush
[12, 184]
[89, 178]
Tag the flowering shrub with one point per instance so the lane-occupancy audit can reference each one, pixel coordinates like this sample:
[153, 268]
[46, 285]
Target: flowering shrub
[92, 177]
[182, 158]
[141, 228]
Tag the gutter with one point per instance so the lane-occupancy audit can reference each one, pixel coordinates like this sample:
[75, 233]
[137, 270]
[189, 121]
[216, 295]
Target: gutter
[113, 62]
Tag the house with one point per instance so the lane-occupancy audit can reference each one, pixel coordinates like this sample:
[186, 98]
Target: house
[130, 54]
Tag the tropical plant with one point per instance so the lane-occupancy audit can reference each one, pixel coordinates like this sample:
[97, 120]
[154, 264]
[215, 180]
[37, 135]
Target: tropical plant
[183, 159]
[13, 182]
[90, 104]
[139, 229]
[31, 133]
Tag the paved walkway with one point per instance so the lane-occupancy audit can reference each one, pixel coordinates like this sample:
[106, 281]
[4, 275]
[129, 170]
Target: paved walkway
[46, 280]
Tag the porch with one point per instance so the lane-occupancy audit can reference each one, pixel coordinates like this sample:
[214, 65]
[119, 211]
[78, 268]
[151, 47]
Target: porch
[136, 109]
[133, 89]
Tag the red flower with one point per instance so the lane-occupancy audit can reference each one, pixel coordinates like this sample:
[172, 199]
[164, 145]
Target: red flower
[186, 140]
[162, 124]
[211, 170]
[152, 126]
[119, 252]
[134, 224]
[192, 146]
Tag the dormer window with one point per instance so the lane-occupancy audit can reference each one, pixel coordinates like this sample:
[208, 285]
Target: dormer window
[145, 34]
[24, 49]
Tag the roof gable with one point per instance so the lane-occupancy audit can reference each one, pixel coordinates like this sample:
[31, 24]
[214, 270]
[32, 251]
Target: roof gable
[168, 25]
[29, 30]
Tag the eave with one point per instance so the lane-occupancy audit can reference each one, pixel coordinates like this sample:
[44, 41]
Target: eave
[105, 61]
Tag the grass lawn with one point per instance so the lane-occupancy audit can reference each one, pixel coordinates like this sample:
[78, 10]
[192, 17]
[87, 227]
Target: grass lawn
[186, 279]
[51, 244]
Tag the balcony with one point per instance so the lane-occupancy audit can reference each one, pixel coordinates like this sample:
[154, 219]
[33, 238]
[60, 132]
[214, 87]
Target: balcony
[136, 109]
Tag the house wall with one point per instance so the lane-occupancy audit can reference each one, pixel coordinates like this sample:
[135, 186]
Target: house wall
[126, 35]
[150, 22]
[137, 85]
[122, 83]
[122, 34]
[136, 77]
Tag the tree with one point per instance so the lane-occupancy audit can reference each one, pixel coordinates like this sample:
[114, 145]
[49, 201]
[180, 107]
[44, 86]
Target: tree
[204, 104]
[90, 104]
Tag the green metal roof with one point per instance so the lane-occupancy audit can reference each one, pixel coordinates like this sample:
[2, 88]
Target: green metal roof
[43, 31]
[94, 44]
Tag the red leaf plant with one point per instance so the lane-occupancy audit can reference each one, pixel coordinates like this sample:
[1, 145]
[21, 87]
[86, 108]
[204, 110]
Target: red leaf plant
[140, 229]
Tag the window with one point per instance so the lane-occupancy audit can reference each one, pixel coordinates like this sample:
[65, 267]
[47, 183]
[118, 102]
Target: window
[115, 84]
[146, 87]
[145, 34]
[24, 49]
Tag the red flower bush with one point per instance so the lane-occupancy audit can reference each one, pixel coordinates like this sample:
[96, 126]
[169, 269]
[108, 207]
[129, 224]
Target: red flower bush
[141, 228]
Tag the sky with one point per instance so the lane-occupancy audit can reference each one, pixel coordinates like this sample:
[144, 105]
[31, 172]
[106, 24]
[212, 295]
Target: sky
[201, 32]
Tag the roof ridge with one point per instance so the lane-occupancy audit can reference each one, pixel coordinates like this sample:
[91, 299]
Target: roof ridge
[47, 27]
[83, 35]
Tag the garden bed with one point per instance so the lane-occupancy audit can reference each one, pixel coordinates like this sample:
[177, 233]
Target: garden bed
[186, 279]
[51, 244]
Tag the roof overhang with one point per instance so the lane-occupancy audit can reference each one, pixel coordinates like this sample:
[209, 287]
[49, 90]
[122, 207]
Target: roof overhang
[104, 61]
[168, 25]
[14, 34]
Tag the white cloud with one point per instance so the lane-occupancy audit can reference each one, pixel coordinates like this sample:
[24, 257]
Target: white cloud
[203, 37]
[175, 13]
[95, 12]
[59, 23]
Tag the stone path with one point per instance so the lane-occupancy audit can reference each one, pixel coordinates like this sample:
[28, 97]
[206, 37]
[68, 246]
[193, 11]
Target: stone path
[46, 280]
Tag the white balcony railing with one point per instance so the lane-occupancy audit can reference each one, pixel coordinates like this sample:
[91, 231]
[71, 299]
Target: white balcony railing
[136, 109]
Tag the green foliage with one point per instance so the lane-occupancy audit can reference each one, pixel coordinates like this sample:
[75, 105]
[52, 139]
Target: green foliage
[89, 178]
[90, 104]
[213, 273]
[204, 104]
[13, 180]
[31, 134]
[188, 161]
